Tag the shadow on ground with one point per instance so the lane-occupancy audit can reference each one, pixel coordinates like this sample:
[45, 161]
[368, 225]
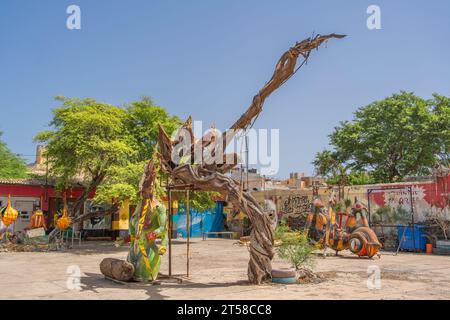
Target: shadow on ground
[93, 281]
[92, 247]
[96, 248]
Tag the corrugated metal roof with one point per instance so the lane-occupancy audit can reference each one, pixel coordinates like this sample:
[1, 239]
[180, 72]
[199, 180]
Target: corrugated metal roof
[26, 182]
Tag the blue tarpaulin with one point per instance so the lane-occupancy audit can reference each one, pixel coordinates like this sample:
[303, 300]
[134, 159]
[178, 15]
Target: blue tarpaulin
[205, 221]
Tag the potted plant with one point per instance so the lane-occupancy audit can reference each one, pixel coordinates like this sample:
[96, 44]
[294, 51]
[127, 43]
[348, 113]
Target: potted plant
[293, 247]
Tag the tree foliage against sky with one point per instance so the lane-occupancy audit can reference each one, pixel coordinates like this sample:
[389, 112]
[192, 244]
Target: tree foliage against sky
[441, 127]
[11, 165]
[402, 135]
[102, 146]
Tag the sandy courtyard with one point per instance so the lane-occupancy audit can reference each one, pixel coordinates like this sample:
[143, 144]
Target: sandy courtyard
[218, 271]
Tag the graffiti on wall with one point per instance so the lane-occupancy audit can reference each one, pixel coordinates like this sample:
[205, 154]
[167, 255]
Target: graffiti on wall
[295, 205]
[294, 210]
[427, 198]
[403, 197]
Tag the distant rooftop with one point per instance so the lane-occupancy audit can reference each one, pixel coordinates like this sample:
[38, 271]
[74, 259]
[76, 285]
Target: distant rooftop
[26, 181]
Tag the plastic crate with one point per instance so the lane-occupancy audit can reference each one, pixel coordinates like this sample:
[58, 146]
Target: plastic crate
[408, 235]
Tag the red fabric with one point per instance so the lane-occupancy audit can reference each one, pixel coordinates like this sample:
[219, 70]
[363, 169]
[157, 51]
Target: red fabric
[151, 236]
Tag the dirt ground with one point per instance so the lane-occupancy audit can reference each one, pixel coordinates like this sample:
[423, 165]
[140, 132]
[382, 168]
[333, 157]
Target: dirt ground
[218, 271]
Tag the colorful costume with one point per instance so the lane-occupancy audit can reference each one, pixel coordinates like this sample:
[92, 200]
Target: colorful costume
[9, 214]
[147, 225]
[63, 221]
[37, 220]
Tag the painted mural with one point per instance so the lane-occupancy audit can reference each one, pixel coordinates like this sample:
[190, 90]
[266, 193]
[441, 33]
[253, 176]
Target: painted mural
[427, 198]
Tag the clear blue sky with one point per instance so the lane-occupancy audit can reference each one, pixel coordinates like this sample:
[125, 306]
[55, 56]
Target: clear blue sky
[207, 58]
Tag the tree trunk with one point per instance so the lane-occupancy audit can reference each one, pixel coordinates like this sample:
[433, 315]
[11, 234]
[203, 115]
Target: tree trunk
[261, 237]
[117, 269]
[88, 215]
[79, 203]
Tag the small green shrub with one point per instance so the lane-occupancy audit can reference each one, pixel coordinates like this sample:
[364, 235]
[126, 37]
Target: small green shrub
[294, 247]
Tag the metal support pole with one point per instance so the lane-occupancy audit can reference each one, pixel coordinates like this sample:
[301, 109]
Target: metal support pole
[188, 232]
[368, 206]
[169, 192]
[412, 217]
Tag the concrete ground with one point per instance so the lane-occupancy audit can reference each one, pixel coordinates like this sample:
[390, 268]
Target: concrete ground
[218, 271]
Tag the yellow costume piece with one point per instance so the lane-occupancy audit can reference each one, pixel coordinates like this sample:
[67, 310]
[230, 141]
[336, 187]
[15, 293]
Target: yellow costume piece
[37, 220]
[9, 214]
[63, 222]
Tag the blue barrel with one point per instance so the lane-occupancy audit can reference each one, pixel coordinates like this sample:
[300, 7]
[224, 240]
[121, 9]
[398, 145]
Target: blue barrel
[412, 240]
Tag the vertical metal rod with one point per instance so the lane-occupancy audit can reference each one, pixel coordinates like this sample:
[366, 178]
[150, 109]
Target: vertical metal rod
[188, 231]
[412, 217]
[246, 160]
[170, 230]
[368, 206]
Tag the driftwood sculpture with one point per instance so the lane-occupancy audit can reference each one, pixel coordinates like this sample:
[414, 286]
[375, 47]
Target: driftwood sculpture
[207, 175]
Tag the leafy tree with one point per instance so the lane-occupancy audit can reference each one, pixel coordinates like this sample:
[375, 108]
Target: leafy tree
[141, 124]
[87, 139]
[200, 200]
[337, 171]
[143, 118]
[105, 148]
[11, 166]
[390, 139]
[120, 184]
[441, 125]
[329, 165]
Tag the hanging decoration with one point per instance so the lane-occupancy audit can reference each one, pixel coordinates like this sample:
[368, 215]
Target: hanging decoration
[63, 222]
[9, 214]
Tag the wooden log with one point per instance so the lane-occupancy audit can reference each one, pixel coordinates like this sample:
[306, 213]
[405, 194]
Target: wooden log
[117, 269]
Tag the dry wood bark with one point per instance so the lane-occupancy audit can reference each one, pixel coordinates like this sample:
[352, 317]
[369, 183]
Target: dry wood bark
[117, 269]
[212, 178]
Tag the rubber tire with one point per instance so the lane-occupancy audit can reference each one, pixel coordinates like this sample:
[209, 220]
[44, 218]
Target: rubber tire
[283, 273]
[290, 280]
[362, 239]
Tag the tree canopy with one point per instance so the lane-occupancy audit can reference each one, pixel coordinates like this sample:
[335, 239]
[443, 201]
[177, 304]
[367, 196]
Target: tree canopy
[441, 127]
[101, 146]
[11, 165]
[387, 140]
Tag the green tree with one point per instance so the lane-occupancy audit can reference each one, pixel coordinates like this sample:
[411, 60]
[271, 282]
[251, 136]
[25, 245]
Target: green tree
[329, 165]
[441, 125]
[141, 126]
[389, 139]
[143, 118]
[200, 200]
[105, 148]
[87, 139]
[11, 166]
[337, 171]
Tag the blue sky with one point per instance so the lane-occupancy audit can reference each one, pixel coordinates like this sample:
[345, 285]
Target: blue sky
[207, 58]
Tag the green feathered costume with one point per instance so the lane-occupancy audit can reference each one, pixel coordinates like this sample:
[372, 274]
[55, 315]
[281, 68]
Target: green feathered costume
[148, 224]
